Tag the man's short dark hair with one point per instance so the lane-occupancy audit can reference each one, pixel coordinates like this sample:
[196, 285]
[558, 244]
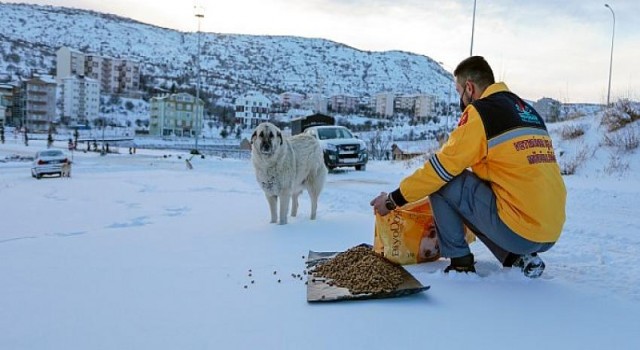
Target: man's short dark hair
[476, 69]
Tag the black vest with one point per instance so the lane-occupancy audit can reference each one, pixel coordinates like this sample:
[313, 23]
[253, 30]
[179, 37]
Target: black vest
[504, 111]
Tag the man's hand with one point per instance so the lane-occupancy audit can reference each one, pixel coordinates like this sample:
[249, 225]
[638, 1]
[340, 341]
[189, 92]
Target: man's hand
[378, 204]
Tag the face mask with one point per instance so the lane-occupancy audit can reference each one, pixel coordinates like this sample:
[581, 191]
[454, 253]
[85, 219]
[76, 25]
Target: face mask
[462, 105]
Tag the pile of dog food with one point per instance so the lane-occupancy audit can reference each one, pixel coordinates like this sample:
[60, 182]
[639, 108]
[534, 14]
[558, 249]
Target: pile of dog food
[360, 270]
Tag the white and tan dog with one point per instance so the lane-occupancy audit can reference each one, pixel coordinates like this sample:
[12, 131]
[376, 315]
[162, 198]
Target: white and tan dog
[285, 167]
[66, 170]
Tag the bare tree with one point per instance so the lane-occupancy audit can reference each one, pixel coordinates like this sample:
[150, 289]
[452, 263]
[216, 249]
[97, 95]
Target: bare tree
[379, 146]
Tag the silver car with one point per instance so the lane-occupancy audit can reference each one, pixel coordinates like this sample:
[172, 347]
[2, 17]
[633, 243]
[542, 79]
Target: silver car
[48, 162]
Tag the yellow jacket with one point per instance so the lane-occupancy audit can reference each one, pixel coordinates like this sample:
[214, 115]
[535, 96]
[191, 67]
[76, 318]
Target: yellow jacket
[506, 143]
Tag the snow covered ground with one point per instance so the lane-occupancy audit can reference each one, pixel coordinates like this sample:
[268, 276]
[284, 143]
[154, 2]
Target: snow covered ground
[137, 252]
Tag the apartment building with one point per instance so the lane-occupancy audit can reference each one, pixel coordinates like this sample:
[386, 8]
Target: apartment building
[316, 103]
[115, 75]
[176, 115]
[405, 104]
[252, 109]
[37, 100]
[384, 103]
[69, 62]
[6, 104]
[80, 100]
[291, 99]
[343, 103]
[424, 107]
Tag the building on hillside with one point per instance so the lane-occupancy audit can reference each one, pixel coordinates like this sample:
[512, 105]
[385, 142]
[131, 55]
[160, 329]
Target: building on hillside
[291, 100]
[424, 107]
[384, 104]
[404, 104]
[176, 115]
[548, 108]
[252, 109]
[116, 75]
[80, 100]
[343, 103]
[37, 103]
[69, 62]
[6, 104]
[17, 115]
[316, 103]
[421, 107]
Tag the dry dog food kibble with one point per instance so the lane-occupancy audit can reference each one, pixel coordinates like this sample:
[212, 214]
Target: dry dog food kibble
[361, 270]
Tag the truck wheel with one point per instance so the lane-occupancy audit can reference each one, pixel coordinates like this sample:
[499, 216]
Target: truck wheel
[362, 167]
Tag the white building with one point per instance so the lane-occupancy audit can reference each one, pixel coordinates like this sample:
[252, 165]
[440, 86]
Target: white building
[69, 62]
[115, 75]
[316, 103]
[80, 99]
[176, 115]
[253, 109]
[424, 107]
[291, 99]
[384, 103]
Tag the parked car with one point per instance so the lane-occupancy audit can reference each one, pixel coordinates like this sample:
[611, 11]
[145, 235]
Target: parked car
[48, 162]
[341, 147]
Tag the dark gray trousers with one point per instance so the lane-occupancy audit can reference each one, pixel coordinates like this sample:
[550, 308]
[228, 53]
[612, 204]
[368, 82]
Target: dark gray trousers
[469, 200]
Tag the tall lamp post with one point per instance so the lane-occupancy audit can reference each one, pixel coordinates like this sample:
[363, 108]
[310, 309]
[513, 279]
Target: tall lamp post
[473, 27]
[199, 13]
[613, 35]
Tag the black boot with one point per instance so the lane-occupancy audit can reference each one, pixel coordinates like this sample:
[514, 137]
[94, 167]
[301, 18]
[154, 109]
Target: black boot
[530, 264]
[462, 264]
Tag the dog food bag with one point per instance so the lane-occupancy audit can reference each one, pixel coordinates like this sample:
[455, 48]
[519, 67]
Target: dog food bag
[408, 235]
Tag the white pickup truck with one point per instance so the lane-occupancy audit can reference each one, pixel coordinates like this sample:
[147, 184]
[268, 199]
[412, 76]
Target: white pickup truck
[341, 147]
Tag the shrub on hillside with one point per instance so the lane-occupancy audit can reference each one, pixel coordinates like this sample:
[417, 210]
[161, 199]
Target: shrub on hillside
[625, 140]
[616, 165]
[570, 165]
[572, 131]
[620, 114]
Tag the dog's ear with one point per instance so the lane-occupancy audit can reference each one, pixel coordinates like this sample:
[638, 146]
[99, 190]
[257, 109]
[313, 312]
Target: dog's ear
[280, 136]
[253, 136]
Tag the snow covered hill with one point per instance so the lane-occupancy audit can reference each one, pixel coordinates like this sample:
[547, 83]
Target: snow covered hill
[231, 64]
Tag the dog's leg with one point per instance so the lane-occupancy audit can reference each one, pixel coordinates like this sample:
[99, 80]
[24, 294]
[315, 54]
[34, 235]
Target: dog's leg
[314, 187]
[284, 207]
[273, 203]
[314, 204]
[294, 203]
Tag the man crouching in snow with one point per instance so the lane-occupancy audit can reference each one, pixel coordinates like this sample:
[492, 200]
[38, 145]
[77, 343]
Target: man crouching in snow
[514, 196]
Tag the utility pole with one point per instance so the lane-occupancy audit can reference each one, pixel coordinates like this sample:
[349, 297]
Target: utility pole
[199, 13]
[473, 27]
[613, 35]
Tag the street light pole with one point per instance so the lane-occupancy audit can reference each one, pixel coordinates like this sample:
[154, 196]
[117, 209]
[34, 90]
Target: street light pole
[199, 13]
[473, 27]
[613, 35]
[103, 151]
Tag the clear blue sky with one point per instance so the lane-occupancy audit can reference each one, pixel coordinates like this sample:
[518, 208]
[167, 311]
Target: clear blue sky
[541, 48]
